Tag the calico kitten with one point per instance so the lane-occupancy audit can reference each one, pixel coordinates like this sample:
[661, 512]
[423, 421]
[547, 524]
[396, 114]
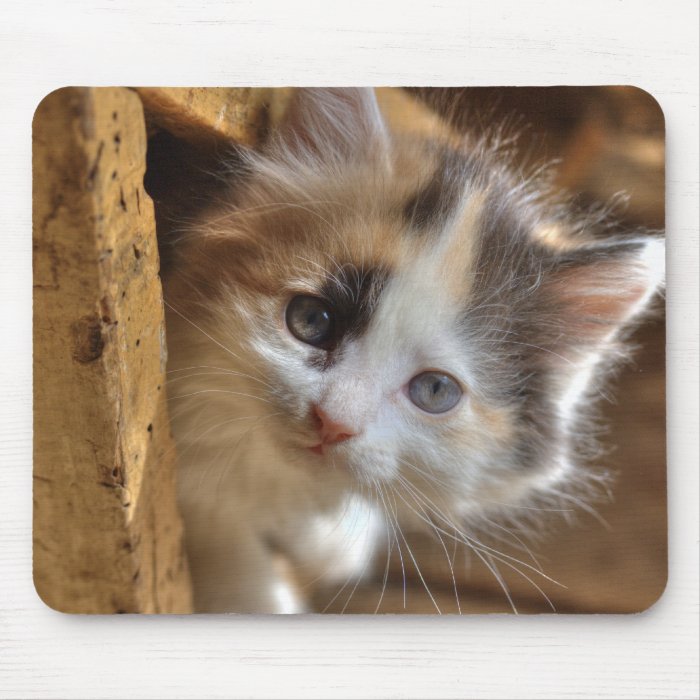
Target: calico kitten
[374, 330]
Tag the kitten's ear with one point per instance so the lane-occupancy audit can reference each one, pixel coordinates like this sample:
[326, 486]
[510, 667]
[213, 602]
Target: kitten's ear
[598, 289]
[337, 124]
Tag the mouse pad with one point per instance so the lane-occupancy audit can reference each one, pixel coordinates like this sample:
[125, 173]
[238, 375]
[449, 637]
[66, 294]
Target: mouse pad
[349, 350]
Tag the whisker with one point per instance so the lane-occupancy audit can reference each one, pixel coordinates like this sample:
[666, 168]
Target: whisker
[415, 563]
[220, 371]
[481, 556]
[430, 477]
[218, 391]
[583, 506]
[450, 563]
[340, 590]
[391, 518]
[389, 547]
[238, 444]
[522, 507]
[207, 472]
[201, 330]
[522, 546]
[488, 560]
[357, 583]
[471, 541]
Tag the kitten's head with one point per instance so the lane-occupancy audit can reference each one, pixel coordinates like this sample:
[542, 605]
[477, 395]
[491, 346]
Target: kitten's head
[418, 312]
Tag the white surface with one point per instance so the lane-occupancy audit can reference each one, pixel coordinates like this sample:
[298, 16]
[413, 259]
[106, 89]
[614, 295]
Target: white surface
[44, 45]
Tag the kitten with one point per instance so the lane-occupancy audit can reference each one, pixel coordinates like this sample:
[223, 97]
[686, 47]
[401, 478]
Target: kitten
[372, 330]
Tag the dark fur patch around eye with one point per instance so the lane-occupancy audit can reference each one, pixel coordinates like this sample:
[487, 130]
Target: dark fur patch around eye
[438, 198]
[352, 293]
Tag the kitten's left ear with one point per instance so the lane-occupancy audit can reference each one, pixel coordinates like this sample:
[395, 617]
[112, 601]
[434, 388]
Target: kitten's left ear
[598, 289]
[336, 124]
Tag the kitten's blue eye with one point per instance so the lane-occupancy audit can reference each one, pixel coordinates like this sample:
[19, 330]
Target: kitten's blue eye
[310, 320]
[434, 392]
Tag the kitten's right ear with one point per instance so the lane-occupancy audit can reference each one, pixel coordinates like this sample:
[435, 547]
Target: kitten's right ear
[332, 124]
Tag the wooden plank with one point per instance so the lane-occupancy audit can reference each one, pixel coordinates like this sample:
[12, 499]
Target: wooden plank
[107, 536]
[207, 115]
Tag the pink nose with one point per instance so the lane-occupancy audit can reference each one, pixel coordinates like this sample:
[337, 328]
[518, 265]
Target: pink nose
[330, 430]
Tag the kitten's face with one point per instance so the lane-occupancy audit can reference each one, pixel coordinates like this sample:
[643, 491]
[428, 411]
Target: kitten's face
[370, 361]
[412, 312]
